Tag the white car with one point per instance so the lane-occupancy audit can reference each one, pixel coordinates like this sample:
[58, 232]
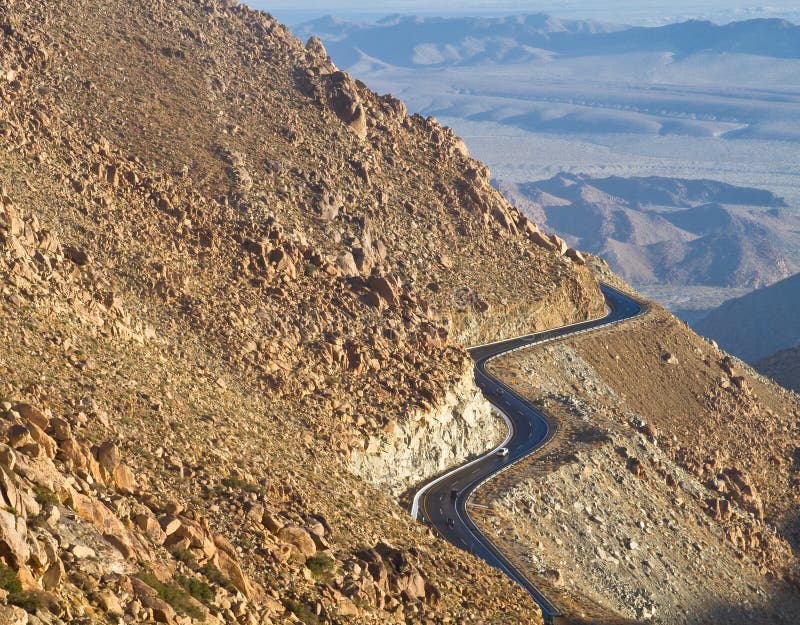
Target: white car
[503, 451]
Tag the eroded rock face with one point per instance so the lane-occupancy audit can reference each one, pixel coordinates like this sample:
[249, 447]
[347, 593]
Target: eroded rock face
[433, 439]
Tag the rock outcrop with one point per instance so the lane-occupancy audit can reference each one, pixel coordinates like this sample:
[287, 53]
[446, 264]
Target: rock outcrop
[462, 424]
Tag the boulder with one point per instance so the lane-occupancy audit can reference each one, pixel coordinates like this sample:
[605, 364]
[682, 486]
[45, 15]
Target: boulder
[109, 456]
[32, 414]
[169, 524]
[540, 239]
[8, 457]
[83, 551]
[12, 615]
[650, 430]
[283, 263]
[329, 205]
[459, 147]
[411, 583]
[13, 538]
[554, 576]
[559, 244]
[371, 298]
[345, 606]
[576, 256]
[346, 103]
[316, 48]
[386, 287]
[298, 537]
[15, 499]
[150, 526]
[77, 256]
[504, 218]
[19, 436]
[46, 444]
[635, 466]
[109, 602]
[60, 429]
[124, 479]
[189, 534]
[231, 570]
[162, 611]
[347, 265]
[113, 529]
[271, 522]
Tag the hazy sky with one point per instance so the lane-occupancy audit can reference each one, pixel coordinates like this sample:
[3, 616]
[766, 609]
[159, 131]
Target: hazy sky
[620, 11]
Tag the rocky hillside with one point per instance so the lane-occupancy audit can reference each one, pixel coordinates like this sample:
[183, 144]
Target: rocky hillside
[783, 367]
[758, 324]
[236, 289]
[670, 491]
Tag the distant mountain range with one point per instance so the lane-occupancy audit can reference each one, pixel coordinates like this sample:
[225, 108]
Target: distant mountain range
[758, 324]
[783, 367]
[541, 74]
[669, 231]
[416, 41]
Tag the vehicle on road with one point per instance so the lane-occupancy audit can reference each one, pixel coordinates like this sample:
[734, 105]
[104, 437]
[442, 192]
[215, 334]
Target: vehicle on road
[502, 452]
[454, 493]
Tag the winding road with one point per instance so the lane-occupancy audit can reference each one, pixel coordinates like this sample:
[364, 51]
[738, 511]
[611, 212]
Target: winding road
[443, 502]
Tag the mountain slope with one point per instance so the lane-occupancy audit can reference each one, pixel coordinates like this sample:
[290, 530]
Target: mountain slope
[235, 291]
[758, 324]
[783, 367]
[647, 502]
[235, 285]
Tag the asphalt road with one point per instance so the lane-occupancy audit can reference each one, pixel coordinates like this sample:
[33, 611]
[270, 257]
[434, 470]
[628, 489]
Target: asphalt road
[443, 502]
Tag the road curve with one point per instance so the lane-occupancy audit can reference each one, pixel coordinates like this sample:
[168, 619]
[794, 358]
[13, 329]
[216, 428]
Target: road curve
[442, 503]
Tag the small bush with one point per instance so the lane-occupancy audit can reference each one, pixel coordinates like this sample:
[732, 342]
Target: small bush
[246, 542]
[197, 589]
[302, 611]
[9, 580]
[215, 576]
[16, 596]
[173, 594]
[235, 482]
[185, 556]
[45, 497]
[27, 601]
[321, 565]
